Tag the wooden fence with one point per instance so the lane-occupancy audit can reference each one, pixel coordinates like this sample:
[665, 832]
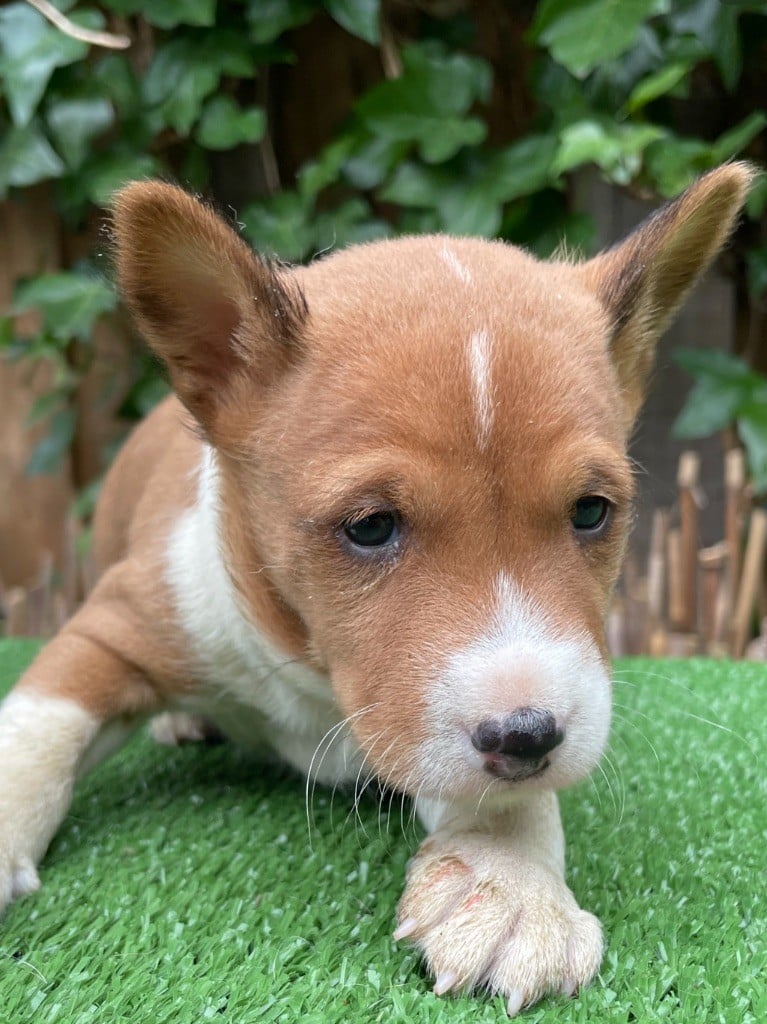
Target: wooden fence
[687, 588]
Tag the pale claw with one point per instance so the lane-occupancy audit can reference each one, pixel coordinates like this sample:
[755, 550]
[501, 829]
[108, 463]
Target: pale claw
[444, 982]
[514, 1003]
[407, 927]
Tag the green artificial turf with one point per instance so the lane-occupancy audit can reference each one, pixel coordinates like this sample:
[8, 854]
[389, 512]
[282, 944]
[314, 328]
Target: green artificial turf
[183, 888]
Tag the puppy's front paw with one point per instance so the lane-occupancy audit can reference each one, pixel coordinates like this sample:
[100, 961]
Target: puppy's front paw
[176, 728]
[18, 877]
[483, 917]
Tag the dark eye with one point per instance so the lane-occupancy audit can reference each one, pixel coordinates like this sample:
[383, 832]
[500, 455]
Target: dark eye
[589, 513]
[373, 531]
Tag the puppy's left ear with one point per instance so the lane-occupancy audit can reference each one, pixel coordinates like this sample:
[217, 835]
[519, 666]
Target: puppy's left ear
[218, 315]
[643, 280]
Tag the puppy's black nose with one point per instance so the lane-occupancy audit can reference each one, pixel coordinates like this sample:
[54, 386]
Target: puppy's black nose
[527, 733]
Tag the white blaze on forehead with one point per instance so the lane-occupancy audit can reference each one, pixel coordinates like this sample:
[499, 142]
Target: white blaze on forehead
[460, 271]
[480, 352]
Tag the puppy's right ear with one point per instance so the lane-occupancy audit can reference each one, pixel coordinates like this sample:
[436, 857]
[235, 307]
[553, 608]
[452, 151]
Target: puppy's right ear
[207, 305]
[642, 281]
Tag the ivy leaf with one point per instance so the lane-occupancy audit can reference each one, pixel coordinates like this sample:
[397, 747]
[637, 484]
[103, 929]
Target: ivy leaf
[186, 71]
[710, 406]
[97, 180]
[177, 83]
[268, 19]
[463, 205]
[26, 157]
[673, 163]
[360, 17]
[373, 161]
[756, 202]
[616, 148]
[724, 386]
[45, 405]
[714, 27]
[50, 451]
[427, 104]
[6, 332]
[348, 224]
[316, 175]
[520, 169]
[70, 302]
[280, 225]
[31, 50]
[75, 123]
[169, 13]
[113, 77]
[717, 365]
[752, 427]
[732, 142]
[469, 196]
[583, 34]
[224, 124]
[659, 84]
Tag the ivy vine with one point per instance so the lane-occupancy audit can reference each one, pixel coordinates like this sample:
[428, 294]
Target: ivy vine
[415, 153]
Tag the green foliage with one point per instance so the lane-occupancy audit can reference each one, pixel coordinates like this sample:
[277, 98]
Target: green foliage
[726, 392]
[582, 34]
[415, 152]
[69, 304]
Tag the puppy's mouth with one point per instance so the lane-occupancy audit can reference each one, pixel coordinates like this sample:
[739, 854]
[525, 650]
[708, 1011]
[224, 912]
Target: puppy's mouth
[512, 769]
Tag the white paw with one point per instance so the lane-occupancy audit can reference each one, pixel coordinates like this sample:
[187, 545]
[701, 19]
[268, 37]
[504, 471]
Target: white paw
[174, 728]
[483, 917]
[18, 877]
[41, 741]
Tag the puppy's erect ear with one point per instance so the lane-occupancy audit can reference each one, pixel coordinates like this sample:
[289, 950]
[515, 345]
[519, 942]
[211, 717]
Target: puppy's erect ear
[642, 281]
[208, 306]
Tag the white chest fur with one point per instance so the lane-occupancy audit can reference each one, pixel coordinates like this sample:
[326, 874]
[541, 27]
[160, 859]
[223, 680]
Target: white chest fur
[257, 695]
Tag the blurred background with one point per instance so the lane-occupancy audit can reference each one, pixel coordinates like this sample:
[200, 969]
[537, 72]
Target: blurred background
[319, 123]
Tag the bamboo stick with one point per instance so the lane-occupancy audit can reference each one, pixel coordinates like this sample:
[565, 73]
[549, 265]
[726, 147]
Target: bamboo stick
[656, 573]
[712, 563]
[16, 609]
[734, 516]
[41, 598]
[750, 581]
[61, 611]
[615, 628]
[682, 645]
[688, 478]
[675, 583]
[70, 569]
[757, 649]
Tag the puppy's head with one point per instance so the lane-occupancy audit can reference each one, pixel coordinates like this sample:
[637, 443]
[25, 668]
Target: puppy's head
[421, 447]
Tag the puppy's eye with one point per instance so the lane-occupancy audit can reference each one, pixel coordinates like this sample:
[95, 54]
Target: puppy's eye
[589, 513]
[373, 531]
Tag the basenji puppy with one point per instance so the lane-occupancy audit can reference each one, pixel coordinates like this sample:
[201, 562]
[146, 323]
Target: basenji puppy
[375, 529]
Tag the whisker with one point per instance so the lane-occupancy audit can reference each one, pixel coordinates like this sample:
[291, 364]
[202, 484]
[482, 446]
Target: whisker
[330, 736]
[605, 776]
[676, 709]
[627, 721]
[359, 791]
[612, 765]
[485, 791]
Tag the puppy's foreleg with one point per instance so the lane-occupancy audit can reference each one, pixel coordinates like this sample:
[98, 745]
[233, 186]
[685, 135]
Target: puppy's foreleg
[487, 904]
[76, 704]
